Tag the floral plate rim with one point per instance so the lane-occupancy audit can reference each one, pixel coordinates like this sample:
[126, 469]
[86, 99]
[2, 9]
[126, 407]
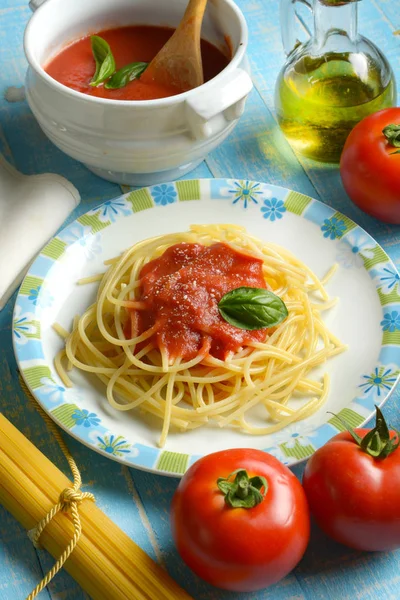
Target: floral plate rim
[272, 202]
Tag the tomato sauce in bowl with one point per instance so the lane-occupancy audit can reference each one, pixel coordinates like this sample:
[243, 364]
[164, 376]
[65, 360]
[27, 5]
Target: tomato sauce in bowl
[74, 66]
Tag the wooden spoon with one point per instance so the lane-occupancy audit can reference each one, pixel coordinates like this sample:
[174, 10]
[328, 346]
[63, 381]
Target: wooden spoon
[178, 63]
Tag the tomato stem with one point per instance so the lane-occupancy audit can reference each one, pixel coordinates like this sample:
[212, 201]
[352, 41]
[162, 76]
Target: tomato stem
[242, 491]
[376, 442]
[392, 134]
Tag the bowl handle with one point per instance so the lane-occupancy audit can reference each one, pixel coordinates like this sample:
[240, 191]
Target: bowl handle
[209, 111]
[34, 4]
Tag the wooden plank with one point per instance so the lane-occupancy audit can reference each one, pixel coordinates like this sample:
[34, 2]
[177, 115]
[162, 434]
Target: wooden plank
[20, 569]
[331, 571]
[391, 10]
[13, 20]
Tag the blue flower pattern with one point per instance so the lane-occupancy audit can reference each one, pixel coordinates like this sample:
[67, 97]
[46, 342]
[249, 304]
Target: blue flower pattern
[117, 446]
[247, 191]
[290, 436]
[112, 209]
[380, 379]
[164, 194]
[391, 321]
[45, 298]
[53, 390]
[82, 235]
[333, 228]
[33, 294]
[85, 418]
[273, 209]
[353, 248]
[388, 279]
[23, 326]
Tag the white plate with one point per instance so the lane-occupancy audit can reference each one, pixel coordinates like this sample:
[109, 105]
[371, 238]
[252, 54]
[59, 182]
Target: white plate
[367, 317]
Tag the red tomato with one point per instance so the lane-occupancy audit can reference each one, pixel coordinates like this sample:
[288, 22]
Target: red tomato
[370, 166]
[240, 549]
[354, 497]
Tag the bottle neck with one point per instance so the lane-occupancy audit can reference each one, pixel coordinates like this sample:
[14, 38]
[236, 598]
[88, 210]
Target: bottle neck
[334, 20]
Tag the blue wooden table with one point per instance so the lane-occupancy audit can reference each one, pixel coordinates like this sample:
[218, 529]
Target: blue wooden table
[136, 501]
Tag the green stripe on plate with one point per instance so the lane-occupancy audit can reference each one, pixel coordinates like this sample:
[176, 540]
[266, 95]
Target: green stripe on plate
[348, 222]
[63, 414]
[30, 283]
[173, 462]
[140, 200]
[54, 249]
[391, 338]
[297, 203]
[36, 334]
[93, 222]
[389, 298]
[33, 375]
[350, 416]
[298, 451]
[188, 190]
[379, 257]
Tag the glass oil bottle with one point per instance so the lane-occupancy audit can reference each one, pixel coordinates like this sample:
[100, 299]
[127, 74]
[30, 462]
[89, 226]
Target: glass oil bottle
[330, 82]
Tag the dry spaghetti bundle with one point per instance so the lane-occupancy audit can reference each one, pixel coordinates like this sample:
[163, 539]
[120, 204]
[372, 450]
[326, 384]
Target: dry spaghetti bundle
[105, 562]
[275, 374]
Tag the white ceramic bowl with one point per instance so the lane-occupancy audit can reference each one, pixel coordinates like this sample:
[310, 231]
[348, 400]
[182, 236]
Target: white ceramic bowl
[135, 142]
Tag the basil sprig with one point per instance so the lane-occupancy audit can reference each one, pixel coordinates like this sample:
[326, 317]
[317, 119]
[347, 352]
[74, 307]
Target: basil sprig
[105, 67]
[252, 308]
[105, 62]
[128, 73]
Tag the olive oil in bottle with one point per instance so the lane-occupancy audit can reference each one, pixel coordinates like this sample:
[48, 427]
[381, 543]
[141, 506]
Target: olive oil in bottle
[322, 92]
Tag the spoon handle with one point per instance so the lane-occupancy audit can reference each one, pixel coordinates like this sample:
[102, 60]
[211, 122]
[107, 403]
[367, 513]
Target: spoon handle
[179, 61]
[194, 12]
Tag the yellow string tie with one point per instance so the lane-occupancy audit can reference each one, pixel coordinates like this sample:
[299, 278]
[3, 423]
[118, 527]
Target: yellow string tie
[69, 500]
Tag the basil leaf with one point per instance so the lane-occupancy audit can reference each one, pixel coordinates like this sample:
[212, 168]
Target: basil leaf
[128, 73]
[105, 63]
[252, 308]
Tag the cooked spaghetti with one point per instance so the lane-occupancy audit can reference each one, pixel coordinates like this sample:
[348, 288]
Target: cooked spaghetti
[193, 370]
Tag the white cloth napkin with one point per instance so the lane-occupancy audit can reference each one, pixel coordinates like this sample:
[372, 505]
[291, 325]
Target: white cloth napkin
[32, 209]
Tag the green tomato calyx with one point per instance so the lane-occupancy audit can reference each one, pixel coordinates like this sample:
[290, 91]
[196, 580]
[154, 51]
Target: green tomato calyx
[377, 442]
[242, 491]
[392, 134]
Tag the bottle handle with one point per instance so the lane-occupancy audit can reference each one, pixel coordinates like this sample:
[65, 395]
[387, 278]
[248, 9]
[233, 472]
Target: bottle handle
[288, 16]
